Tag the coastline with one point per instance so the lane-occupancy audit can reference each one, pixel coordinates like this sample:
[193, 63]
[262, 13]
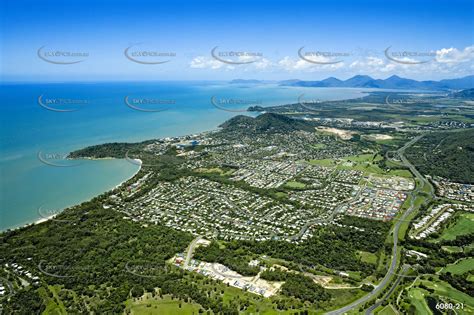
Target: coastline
[25, 176]
[45, 219]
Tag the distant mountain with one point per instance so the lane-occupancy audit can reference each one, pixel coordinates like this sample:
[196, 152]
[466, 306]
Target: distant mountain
[393, 82]
[461, 83]
[268, 122]
[358, 81]
[469, 94]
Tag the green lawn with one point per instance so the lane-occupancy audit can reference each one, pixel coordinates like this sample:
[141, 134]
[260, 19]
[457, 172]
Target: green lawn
[417, 299]
[363, 158]
[53, 303]
[445, 289]
[367, 164]
[388, 310]
[362, 162]
[401, 173]
[323, 162]
[165, 306]
[461, 267]
[368, 257]
[464, 225]
[295, 184]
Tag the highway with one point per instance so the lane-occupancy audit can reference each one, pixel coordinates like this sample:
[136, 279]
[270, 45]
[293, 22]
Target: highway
[393, 264]
[392, 288]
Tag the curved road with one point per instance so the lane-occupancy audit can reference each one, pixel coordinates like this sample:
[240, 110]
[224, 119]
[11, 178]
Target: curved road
[387, 278]
[392, 288]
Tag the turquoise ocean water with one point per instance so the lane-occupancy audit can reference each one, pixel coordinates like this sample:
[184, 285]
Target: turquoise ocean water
[36, 180]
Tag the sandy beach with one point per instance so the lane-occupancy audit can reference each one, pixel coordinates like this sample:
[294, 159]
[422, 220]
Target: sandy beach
[44, 219]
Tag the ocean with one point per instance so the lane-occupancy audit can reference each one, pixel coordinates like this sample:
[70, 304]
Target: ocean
[41, 123]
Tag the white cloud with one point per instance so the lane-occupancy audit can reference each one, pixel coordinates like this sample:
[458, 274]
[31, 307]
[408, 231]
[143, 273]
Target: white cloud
[202, 62]
[262, 63]
[453, 55]
[451, 62]
[290, 64]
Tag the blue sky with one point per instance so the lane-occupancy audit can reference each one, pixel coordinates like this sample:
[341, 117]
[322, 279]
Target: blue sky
[354, 33]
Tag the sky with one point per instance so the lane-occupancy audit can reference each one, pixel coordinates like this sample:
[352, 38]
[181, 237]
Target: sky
[49, 41]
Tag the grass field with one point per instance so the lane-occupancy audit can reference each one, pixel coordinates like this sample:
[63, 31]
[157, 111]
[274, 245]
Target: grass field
[53, 304]
[368, 257]
[362, 162]
[295, 184]
[461, 267]
[442, 288]
[214, 170]
[165, 306]
[388, 310]
[367, 164]
[417, 299]
[463, 225]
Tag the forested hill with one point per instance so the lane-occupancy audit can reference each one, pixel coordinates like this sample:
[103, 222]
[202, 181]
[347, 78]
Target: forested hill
[268, 122]
[446, 154]
[107, 150]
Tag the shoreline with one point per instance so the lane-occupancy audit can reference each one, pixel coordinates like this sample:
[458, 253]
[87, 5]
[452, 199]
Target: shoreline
[202, 132]
[45, 219]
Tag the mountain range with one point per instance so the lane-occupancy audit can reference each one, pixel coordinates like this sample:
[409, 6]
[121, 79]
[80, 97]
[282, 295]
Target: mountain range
[393, 82]
[365, 81]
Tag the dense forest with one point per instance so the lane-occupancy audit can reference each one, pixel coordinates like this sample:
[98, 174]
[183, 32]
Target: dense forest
[446, 154]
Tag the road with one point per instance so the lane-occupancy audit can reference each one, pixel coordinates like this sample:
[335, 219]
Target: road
[190, 252]
[392, 288]
[330, 218]
[393, 264]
